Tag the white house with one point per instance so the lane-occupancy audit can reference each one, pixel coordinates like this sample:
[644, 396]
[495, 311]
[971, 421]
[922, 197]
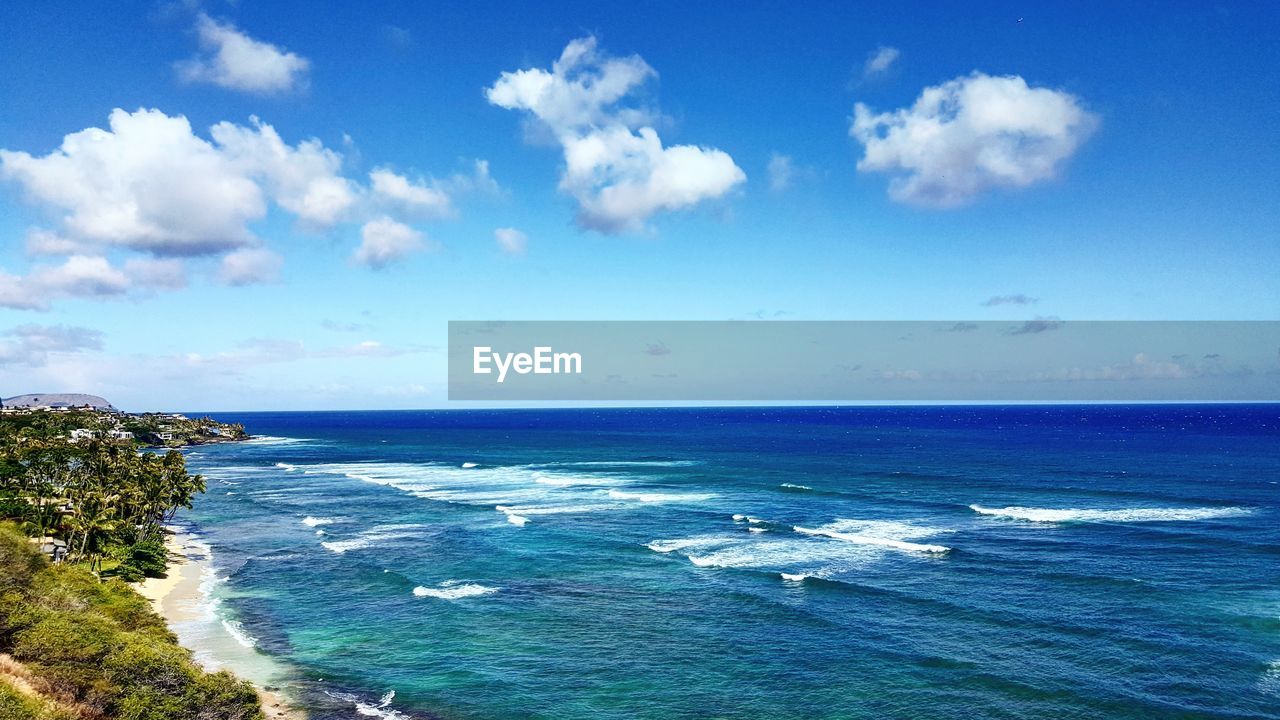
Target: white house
[120, 435]
[82, 434]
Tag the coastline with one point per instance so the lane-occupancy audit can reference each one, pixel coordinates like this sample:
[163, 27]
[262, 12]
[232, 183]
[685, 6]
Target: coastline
[182, 599]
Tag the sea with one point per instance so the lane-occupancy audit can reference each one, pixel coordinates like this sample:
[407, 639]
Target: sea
[753, 563]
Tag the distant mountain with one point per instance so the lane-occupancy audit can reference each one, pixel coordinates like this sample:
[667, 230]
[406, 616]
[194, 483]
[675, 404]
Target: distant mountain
[56, 400]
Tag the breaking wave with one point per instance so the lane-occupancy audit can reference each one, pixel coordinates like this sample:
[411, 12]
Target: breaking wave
[1052, 515]
[454, 590]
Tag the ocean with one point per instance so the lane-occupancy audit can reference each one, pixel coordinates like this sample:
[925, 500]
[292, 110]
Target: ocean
[755, 563]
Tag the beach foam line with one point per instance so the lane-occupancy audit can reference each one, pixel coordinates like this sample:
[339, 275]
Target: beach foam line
[858, 539]
[454, 590]
[1066, 515]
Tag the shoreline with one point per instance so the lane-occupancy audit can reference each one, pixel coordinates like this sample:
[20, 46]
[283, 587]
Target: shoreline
[182, 599]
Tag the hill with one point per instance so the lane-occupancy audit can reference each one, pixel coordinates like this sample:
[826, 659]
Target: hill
[56, 400]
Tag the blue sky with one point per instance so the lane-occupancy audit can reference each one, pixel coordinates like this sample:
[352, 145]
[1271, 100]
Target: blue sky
[1125, 169]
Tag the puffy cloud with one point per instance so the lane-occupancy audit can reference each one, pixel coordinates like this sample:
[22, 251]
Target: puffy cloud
[881, 60]
[304, 179]
[32, 344]
[414, 197]
[233, 60]
[616, 166]
[511, 241]
[146, 183]
[384, 241]
[250, 266]
[79, 276]
[970, 135]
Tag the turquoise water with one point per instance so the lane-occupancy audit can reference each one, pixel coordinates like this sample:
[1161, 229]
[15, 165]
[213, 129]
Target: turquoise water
[750, 563]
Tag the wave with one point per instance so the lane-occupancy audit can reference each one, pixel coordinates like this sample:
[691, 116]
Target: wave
[657, 497]
[621, 463]
[1065, 515]
[454, 590]
[468, 465]
[381, 709]
[793, 577]
[237, 631]
[372, 536]
[793, 486]
[274, 440]
[287, 467]
[858, 539]
[316, 522]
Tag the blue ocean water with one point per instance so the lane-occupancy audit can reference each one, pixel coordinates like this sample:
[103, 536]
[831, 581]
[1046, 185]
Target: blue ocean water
[954, 562]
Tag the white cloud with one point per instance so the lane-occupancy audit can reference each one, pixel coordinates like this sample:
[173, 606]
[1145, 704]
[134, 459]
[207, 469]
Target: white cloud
[414, 197]
[79, 276]
[32, 344]
[250, 266]
[511, 241]
[42, 242]
[880, 61]
[304, 179]
[616, 166]
[147, 183]
[384, 241]
[233, 60]
[970, 135]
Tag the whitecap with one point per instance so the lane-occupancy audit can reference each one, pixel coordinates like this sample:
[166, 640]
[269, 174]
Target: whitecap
[657, 497]
[793, 577]
[316, 522]
[1054, 515]
[793, 486]
[468, 465]
[373, 536]
[454, 590]
[858, 539]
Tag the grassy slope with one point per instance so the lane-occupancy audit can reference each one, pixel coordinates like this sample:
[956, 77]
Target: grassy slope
[97, 648]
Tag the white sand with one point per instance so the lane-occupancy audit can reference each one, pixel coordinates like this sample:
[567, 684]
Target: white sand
[182, 599]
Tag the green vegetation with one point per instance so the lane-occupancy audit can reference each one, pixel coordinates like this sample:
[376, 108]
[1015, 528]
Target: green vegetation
[149, 429]
[99, 501]
[88, 649]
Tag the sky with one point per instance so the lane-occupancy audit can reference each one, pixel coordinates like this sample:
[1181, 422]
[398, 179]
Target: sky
[246, 205]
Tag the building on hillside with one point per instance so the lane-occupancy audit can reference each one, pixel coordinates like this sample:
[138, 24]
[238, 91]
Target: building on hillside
[83, 434]
[120, 435]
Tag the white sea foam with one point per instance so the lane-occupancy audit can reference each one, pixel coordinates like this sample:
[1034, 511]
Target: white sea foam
[287, 467]
[237, 631]
[793, 577]
[373, 536]
[658, 497]
[621, 463]
[273, 440]
[381, 709]
[793, 486]
[517, 520]
[1052, 515]
[468, 465]
[858, 539]
[756, 529]
[317, 521]
[1269, 683]
[454, 590]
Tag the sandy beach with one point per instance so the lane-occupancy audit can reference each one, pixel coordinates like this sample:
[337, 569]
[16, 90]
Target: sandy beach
[181, 598]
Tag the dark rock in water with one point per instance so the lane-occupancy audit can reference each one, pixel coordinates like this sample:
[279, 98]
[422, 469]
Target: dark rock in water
[54, 400]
